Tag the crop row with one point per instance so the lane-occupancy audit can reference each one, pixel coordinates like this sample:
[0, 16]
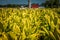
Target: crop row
[29, 24]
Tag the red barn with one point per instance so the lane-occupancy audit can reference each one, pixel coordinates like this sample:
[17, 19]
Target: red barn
[35, 5]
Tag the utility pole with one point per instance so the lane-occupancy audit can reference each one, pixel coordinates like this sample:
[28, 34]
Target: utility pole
[29, 3]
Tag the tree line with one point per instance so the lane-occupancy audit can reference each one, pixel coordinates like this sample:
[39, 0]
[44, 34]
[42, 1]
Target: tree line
[47, 3]
[51, 3]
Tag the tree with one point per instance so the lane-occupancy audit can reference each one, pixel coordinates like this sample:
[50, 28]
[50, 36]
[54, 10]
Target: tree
[51, 3]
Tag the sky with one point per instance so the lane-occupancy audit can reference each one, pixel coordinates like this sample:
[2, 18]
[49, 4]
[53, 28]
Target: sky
[3, 2]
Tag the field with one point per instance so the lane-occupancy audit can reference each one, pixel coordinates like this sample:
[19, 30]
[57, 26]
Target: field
[29, 24]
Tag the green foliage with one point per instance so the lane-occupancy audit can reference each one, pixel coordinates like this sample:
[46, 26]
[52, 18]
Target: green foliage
[29, 24]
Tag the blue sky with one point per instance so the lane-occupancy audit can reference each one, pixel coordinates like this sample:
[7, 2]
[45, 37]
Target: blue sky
[20, 1]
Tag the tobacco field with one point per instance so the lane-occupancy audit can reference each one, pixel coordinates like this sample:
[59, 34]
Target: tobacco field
[29, 24]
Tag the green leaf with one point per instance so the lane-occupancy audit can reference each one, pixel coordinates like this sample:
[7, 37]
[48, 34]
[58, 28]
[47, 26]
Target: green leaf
[1, 27]
[55, 20]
